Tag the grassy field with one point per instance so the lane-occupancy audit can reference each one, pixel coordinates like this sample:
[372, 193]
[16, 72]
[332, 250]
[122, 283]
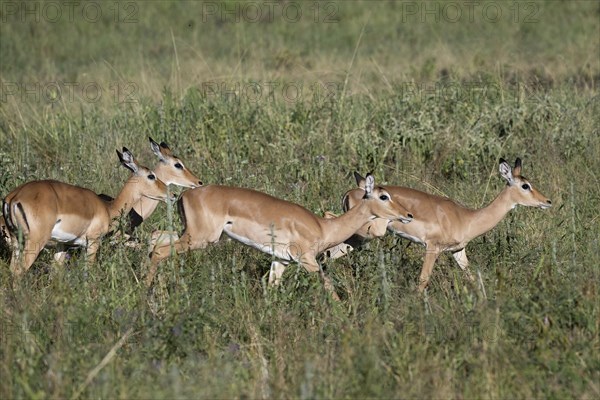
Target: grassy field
[291, 100]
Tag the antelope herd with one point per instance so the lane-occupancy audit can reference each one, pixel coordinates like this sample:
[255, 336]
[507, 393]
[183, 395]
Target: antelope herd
[41, 213]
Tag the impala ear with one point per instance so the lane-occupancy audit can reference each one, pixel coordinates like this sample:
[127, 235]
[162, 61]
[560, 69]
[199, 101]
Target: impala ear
[165, 147]
[360, 181]
[517, 169]
[346, 202]
[127, 160]
[369, 185]
[506, 171]
[156, 149]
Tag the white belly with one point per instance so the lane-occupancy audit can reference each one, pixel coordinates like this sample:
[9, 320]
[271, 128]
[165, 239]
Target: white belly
[279, 250]
[66, 237]
[409, 237]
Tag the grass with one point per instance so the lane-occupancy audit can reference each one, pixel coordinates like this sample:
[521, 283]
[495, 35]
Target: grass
[423, 103]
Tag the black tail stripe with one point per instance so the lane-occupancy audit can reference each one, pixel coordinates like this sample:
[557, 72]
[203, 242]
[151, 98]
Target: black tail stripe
[20, 207]
[7, 216]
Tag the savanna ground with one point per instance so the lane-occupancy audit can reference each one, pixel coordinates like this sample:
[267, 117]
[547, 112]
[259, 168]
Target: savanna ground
[290, 102]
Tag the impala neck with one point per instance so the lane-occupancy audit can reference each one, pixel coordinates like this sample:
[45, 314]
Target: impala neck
[337, 230]
[124, 202]
[486, 218]
[145, 206]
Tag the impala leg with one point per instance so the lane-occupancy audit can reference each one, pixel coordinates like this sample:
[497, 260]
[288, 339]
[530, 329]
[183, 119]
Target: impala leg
[15, 260]
[276, 272]
[92, 249]
[338, 251]
[21, 261]
[463, 262]
[311, 265]
[430, 258]
[60, 257]
[62, 254]
[162, 251]
[161, 238]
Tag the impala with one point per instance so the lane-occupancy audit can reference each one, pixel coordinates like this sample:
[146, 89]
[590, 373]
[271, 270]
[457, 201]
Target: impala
[285, 230]
[46, 212]
[170, 170]
[440, 223]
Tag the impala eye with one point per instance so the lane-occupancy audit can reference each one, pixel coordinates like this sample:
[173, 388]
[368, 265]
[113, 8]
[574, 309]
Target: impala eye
[526, 186]
[152, 177]
[384, 197]
[178, 166]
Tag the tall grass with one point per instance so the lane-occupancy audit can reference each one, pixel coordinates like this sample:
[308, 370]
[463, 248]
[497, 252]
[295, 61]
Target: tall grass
[430, 105]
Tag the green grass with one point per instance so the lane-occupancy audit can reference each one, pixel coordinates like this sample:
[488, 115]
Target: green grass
[211, 328]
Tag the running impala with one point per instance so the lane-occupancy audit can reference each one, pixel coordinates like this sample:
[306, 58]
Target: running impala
[440, 224]
[170, 170]
[46, 212]
[274, 226]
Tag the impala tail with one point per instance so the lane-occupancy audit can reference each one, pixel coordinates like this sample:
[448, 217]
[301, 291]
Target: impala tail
[6, 215]
[9, 218]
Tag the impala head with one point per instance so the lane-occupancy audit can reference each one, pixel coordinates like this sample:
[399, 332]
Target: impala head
[521, 190]
[171, 169]
[144, 182]
[384, 205]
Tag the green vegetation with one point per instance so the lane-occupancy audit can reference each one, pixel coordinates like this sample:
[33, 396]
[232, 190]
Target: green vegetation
[426, 103]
